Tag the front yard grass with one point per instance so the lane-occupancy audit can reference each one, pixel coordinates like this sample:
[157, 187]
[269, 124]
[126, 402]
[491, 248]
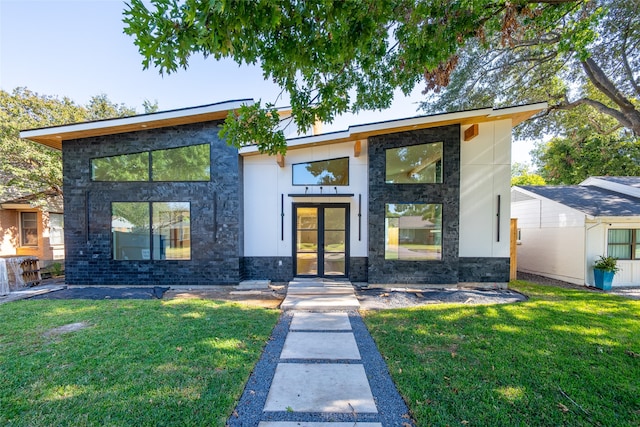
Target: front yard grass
[565, 357]
[132, 362]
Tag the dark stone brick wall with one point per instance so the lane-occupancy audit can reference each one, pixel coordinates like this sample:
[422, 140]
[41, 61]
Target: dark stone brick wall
[480, 269]
[263, 267]
[258, 268]
[447, 193]
[216, 211]
[358, 269]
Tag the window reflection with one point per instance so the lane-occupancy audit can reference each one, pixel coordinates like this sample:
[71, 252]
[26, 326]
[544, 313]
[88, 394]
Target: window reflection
[413, 232]
[415, 164]
[324, 172]
[127, 167]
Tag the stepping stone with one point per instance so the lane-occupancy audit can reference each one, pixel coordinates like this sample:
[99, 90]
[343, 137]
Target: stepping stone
[320, 345]
[320, 322]
[325, 387]
[306, 424]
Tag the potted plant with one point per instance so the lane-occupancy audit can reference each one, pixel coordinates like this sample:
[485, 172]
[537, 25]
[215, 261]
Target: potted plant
[603, 271]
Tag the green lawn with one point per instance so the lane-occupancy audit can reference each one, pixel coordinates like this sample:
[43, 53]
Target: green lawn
[142, 363]
[565, 357]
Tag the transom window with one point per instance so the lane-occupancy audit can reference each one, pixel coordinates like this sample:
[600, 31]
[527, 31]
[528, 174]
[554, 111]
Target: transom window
[624, 243]
[191, 163]
[323, 172]
[414, 164]
[413, 231]
[145, 231]
[28, 228]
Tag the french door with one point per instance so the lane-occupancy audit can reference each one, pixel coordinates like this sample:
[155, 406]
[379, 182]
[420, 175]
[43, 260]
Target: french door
[321, 240]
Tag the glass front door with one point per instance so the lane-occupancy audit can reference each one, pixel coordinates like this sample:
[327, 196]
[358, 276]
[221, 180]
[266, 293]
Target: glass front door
[321, 240]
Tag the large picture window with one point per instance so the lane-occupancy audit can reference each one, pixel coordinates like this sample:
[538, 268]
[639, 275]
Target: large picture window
[191, 163]
[323, 172]
[145, 231]
[413, 232]
[414, 164]
[624, 243]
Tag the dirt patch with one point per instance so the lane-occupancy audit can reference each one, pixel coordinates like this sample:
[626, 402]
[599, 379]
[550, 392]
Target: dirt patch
[377, 299]
[65, 329]
[267, 298]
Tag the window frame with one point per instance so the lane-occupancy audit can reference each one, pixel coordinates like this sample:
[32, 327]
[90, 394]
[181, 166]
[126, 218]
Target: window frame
[149, 154]
[23, 243]
[293, 168]
[151, 234]
[388, 254]
[632, 244]
[441, 160]
[51, 242]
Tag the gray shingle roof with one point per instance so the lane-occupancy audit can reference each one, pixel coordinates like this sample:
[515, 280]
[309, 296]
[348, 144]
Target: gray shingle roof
[631, 181]
[593, 201]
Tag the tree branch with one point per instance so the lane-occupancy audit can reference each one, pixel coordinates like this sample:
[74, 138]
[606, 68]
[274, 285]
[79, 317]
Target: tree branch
[625, 61]
[619, 116]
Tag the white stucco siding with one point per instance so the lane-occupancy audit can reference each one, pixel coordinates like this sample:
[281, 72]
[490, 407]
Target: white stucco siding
[485, 173]
[265, 182]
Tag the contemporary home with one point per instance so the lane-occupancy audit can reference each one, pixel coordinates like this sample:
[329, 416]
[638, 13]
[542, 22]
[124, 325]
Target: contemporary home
[32, 225]
[161, 198]
[564, 229]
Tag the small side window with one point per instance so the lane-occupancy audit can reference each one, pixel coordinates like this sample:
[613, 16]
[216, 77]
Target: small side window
[28, 228]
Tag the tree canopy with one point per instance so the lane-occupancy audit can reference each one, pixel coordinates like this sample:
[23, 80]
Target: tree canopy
[28, 167]
[571, 160]
[333, 57]
[589, 74]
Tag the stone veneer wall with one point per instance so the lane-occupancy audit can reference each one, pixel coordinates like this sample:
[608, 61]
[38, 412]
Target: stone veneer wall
[267, 267]
[447, 193]
[216, 211]
[481, 269]
[259, 268]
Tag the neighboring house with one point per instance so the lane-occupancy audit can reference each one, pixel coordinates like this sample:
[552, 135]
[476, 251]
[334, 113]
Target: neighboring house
[160, 198]
[33, 226]
[564, 229]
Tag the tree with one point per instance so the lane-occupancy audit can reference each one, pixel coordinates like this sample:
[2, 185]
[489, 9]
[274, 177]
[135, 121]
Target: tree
[30, 167]
[521, 175]
[332, 57]
[571, 160]
[590, 73]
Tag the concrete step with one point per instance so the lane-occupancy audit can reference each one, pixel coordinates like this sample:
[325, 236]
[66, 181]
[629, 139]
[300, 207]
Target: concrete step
[320, 295]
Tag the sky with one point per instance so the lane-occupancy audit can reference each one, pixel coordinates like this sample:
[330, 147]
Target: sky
[77, 49]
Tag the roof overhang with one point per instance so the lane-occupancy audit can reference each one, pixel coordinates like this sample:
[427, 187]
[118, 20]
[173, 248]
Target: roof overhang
[55, 135]
[516, 114]
[16, 206]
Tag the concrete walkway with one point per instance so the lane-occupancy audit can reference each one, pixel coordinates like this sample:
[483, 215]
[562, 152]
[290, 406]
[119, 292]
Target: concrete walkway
[320, 367]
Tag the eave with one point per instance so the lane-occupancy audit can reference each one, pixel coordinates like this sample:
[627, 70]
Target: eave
[54, 136]
[359, 132]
